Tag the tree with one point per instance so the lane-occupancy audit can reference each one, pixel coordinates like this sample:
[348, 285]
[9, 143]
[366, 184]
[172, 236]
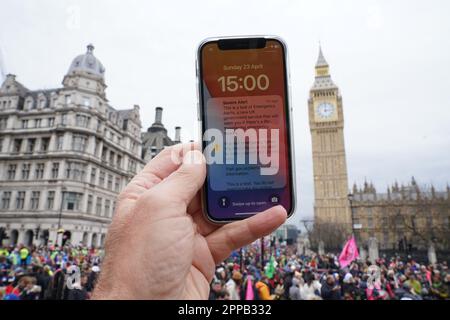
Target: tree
[333, 235]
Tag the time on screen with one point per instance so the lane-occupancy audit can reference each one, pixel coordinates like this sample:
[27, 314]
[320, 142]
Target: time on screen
[248, 83]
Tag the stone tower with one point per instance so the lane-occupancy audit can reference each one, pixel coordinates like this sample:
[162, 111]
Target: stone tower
[326, 120]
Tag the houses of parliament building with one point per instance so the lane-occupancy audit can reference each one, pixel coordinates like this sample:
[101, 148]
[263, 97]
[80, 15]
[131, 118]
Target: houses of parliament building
[403, 217]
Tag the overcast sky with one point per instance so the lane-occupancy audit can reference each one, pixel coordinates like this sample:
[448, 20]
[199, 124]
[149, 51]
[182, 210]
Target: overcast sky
[391, 60]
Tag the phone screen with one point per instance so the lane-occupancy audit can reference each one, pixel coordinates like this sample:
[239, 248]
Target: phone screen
[245, 123]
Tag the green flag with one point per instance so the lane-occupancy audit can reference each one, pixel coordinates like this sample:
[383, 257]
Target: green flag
[270, 270]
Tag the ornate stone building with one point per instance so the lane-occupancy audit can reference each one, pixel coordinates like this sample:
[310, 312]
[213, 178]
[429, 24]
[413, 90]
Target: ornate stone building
[326, 119]
[404, 217]
[65, 154]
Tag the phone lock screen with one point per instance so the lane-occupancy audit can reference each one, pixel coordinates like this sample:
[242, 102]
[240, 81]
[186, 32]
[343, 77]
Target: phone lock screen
[245, 124]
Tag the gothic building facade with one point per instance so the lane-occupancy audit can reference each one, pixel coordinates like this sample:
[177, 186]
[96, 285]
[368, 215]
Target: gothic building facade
[65, 154]
[405, 217]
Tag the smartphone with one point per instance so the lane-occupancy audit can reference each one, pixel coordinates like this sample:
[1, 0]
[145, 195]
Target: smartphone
[246, 130]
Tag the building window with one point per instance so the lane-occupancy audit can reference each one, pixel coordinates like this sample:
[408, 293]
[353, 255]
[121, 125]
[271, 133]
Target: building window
[82, 121]
[17, 145]
[3, 123]
[117, 184]
[104, 151]
[98, 206]
[1, 144]
[42, 103]
[93, 175]
[385, 239]
[68, 99]
[370, 223]
[119, 161]
[45, 142]
[110, 181]
[132, 166]
[134, 147]
[55, 170]
[50, 200]
[86, 102]
[35, 200]
[101, 180]
[31, 145]
[51, 122]
[37, 123]
[24, 124]
[26, 171]
[60, 142]
[6, 199]
[399, 223]
[39, 172]
[12, 171]
[76, 171]
[89, 203]
[111, 158]
[64, 119]
[20, 200]
[113, 208]
[79, 143]
[429, 221]
[30, 104]
[107, 208]
[72, 201]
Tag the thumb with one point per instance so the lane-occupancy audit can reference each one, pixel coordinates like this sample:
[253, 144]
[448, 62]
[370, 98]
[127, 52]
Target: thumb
[183, 184]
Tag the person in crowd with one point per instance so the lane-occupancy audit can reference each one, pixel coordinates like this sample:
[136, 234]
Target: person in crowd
[330, 290]
[263, 289]
[310, 289]
[233, 286]
[294, 290]
[24, 252]
[216, 290]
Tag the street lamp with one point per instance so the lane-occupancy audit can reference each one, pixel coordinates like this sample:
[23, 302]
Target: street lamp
[262, 253]
[63, 192]
[350, 200]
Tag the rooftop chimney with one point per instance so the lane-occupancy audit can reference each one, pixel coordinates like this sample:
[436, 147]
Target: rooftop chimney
[157, 125]
[177, 134]
[158, 115]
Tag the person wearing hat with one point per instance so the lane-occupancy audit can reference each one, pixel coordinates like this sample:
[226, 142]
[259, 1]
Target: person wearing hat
[263, 289]
[233, 286]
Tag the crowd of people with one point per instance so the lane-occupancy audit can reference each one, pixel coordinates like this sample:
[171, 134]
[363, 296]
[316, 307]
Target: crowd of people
[284, 275]
[41, 273]
[48, 272]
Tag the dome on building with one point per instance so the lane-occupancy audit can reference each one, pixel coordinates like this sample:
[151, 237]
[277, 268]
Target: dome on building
[87, 63]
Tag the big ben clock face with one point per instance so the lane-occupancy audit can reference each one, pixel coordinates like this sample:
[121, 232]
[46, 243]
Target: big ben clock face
[326, 111]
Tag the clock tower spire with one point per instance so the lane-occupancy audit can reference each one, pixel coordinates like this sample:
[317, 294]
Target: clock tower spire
[326, 121]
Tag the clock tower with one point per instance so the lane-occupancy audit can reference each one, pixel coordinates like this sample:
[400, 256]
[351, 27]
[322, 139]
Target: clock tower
[326, 121]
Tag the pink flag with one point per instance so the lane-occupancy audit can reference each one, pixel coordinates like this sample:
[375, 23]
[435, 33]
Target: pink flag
[249, 295]
[349, 253]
